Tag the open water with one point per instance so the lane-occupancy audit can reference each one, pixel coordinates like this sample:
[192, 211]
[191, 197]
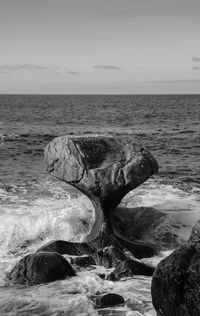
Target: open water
[34, 208]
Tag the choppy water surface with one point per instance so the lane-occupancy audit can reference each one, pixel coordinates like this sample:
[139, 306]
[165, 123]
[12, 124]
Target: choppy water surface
[35, 209]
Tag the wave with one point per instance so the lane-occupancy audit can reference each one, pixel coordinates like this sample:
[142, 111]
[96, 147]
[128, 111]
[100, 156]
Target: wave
[38, 212]
[170, 212]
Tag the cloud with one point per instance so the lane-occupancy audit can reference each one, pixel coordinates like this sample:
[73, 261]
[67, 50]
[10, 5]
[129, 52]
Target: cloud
[196, 68]
[10, 68]
[73, 72]
[18, 67]
[107, 67]
[4, 72]
[196, 59]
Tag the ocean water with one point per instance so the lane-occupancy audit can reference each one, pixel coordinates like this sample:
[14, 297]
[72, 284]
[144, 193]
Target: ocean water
[34, 208]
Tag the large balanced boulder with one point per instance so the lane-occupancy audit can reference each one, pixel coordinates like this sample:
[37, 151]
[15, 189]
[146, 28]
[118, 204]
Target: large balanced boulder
[42, 267]
[176, 281]
[105, 167]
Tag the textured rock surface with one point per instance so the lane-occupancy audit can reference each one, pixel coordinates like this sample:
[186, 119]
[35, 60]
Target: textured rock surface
[41, 268]
[130, 268]
[83, 261]
[110, 257]
[176, 281]
[104, 167]
[67, 247]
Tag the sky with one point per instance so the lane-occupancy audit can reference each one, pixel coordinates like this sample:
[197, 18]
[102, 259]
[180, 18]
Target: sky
[100, 46]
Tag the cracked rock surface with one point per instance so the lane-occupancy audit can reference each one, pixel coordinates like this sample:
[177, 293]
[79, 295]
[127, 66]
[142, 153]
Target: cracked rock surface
[103, 167]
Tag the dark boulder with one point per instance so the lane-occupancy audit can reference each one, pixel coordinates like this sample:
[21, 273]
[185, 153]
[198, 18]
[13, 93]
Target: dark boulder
[176, 282]
[42, 267]
[108, 300]
[130, 268]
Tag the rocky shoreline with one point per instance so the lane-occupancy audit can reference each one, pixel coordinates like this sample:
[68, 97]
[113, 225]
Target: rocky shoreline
[105, 169]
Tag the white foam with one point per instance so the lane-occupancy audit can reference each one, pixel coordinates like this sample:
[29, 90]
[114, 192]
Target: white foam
[182, 208]
[162, 197]
[46, 219]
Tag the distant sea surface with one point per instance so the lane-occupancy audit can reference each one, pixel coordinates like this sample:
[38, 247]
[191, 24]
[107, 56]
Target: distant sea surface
[34, 208]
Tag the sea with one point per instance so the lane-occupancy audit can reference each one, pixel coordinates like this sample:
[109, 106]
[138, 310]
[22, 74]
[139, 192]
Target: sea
[36, 208]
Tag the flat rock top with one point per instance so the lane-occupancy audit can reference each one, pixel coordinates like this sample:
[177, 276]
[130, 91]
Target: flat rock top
[97, 151]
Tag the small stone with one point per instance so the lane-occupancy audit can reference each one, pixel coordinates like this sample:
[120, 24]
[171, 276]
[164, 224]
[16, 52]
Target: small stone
[108, 300]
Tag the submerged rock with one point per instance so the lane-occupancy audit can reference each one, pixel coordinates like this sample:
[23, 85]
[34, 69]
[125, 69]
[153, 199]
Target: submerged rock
[176, 282]
[130, 268]
[108, 300]
[42, 267]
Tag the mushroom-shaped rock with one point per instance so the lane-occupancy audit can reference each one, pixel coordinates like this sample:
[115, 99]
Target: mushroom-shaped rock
[176, 282]
[104, 167]
[42, 267]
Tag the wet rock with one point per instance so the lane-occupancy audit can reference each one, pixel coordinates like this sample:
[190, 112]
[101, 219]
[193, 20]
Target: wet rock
[105, 167]
[110, 257]
[138, 249]
[42, 267]
[165, 229]
[130, 268]
[108, 300]
[67, 247]
[83, 261]
[176, 282]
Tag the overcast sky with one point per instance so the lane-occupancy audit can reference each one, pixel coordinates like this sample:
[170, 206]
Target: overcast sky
[99, 46]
